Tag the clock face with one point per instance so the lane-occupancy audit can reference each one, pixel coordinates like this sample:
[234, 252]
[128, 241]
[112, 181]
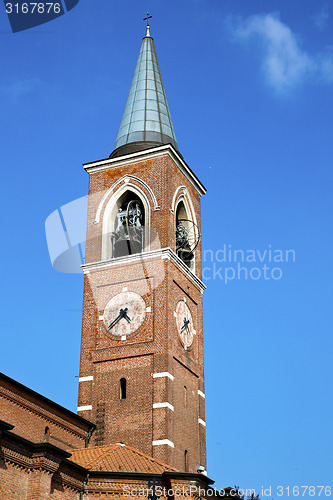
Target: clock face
[184, 323]
[124, 313]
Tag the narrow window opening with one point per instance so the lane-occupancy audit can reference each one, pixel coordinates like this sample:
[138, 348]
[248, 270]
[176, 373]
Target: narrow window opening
[186, 461]
[46, 434]
[122, 394]
[185, 396]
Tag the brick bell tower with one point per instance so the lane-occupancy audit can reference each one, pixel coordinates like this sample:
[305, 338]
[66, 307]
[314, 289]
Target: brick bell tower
[142, 367]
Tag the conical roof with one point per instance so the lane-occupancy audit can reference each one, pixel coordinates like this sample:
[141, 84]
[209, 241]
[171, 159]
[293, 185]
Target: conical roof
[146, 120]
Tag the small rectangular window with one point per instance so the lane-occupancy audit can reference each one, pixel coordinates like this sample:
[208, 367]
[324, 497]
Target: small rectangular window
[122, 392]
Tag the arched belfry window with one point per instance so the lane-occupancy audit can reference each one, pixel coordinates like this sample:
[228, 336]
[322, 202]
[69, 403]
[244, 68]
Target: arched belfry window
[126, 223]
[187, 235]
[128, 226]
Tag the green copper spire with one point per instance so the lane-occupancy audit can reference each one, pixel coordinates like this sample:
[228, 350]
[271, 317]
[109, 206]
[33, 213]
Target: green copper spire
[146, 121]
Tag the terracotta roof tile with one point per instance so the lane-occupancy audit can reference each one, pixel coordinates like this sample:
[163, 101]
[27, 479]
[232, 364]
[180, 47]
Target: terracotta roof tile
[118, 458]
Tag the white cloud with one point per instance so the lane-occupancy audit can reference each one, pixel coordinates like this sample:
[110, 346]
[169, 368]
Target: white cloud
[321, 18]
[285, 64]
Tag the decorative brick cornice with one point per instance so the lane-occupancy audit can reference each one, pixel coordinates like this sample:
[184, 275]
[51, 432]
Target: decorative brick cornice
[46, 458]
[148, 154]
[44, 415]
[23, 453]
[46, 409]
[164, 253]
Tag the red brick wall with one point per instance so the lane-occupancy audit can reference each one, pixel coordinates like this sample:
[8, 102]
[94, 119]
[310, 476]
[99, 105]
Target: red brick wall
[162, 283]
[18, 483]
[14, 482]
[187, 429]
[30, 416]
[164, 178]
[126, 420]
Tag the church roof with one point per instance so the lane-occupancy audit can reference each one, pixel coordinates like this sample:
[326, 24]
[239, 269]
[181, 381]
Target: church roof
[146, 120]
[119, 458]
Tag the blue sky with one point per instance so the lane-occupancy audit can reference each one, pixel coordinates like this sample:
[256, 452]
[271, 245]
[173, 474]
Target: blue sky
[249, 85]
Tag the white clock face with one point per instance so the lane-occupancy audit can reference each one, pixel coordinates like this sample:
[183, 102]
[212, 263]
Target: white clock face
[124, 313]
[184, 323]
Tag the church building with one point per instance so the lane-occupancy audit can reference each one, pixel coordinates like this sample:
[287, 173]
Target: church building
[140, 423]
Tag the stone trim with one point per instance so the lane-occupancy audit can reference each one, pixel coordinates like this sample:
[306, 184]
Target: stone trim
[164, 253]
[163, 405]
[147, 154]
[84, 408]
[163, 374]
[161, 442]
[85, 379]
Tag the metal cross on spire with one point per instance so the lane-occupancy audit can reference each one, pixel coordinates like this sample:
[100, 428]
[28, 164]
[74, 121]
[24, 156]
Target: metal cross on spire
[148, 27]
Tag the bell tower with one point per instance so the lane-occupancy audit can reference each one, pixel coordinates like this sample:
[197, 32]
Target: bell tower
[142, 367]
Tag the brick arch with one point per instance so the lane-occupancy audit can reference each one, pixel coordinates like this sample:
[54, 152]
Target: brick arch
[182, 192]
[109, 214]
[182, 195]
[128, 179]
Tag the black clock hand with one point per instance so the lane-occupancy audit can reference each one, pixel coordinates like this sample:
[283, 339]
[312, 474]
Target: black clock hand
[114, 322]
[185, 325]
[127, 318]
[122, 314]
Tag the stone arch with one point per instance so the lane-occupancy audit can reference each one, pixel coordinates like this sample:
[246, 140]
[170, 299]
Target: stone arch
[112, 205]
[182, 207]
[128, 179]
